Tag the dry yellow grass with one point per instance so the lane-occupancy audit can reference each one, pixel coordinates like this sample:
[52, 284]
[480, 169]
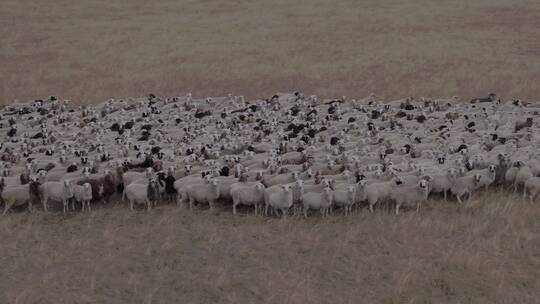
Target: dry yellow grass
[90, 51]
[484, 252]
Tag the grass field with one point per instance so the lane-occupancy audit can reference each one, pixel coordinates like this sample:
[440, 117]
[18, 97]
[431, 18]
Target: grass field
[485, 252]
[89, 51]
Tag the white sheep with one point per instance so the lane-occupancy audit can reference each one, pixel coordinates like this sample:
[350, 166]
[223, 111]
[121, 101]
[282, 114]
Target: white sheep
[442, 182]
[280, 179]
[18, 196]
[248, 194]
[280, 199]
[378, 192]
[531, 189]
[465, 185]
[142, 194]
[345, 198]
[56, 191]
[410, 195]
[318, 201]
[488, 176]
[203, 193]
[522, 176]
[83, 194]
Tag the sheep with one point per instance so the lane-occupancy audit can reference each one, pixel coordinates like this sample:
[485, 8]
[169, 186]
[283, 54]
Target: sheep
[142, 194]
[318, 201]
[293, 158]
[182, 185]
[531, 189]
[410, 195]
[83, 194]
[510, 176]
[488, 176]
[280, 199]
[225, 183]
[204, 193]
[131, 176]
[442, 182]
[345, 198]
[103, 186]
[248, 194]
[465, 185]
[522, 176]
[378, 192]
[19, 195]
[280, 179]
[56, 191]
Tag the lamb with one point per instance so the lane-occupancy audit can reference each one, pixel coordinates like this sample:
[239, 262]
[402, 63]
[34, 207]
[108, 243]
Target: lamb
[345, 199]
[56, 191]
[246, 194]
[279, 199]
[410, 195]
[83, 194]
[465, 185]
[142, 194]
[318, 201]
[203, 193]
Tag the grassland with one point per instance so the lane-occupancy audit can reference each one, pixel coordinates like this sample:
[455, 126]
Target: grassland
[89, 51]
[485, 252]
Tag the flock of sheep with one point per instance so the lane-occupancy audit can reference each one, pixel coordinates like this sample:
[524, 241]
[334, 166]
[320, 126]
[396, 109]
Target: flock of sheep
[288, 153]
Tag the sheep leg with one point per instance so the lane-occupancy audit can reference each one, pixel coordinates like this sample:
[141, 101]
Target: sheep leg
[459, 199]
[305, 212]
[178, 200]
[30, 209]
[65, 205]
[234, 209]
[131, 205]
[88, 205]
[45, 203]
[8, 205]
[397, 209]
[371, 207]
